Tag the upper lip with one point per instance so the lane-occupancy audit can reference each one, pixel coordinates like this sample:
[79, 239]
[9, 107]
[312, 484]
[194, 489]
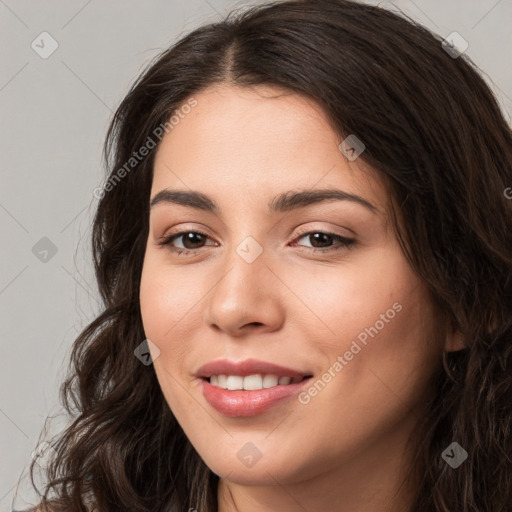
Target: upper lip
[245, 368]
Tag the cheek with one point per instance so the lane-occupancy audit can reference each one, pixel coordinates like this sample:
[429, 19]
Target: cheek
[388, 355]
[382, 325]
[161, 311]
[171, 303]
[343, 300]
[163, 315]
[166, 298]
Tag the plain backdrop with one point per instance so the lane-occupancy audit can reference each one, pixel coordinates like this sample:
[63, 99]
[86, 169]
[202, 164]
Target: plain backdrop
[55, 109]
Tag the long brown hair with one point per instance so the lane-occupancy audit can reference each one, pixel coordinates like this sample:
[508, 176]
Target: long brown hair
[435, 133]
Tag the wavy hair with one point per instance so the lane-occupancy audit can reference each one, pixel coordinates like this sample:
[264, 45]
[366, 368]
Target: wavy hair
[435, 133]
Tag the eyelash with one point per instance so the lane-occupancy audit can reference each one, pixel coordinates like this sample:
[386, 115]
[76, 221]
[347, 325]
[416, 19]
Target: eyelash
[344, 242]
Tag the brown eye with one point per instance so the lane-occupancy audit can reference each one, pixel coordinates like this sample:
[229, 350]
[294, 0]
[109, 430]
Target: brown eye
[191, 240]
[323, 242]
[187, 241]
[320, 239]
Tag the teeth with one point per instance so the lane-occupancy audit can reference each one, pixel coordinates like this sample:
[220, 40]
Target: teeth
[269, 381]
[235, 382]
[251, 382]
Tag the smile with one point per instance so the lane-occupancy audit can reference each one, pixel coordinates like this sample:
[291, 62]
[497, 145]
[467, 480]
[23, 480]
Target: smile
[251, 382]
[250, 387]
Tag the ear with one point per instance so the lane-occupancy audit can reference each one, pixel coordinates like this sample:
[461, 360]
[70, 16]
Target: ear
[454, 341]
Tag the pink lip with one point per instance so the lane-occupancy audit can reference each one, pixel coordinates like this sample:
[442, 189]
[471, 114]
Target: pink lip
[243, 403]
[245, 368]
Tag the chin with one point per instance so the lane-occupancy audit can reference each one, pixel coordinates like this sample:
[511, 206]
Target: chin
[266, 471]
[258, 475]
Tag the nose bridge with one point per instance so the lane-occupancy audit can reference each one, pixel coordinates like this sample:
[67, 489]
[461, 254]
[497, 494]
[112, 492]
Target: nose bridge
[246, 271]
[245, 293]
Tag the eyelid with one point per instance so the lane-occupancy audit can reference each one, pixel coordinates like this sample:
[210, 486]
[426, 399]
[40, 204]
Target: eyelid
[343, 242]
[301, 233]
[170, 237]
[309, 230]
[186, 227]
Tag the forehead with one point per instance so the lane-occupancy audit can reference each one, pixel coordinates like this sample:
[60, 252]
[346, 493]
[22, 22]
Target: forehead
[241, 118]
[258, 140]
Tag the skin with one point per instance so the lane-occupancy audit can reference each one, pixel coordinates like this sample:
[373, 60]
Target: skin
[345, 450]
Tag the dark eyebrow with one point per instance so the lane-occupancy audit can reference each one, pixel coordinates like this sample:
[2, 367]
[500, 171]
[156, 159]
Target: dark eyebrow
[292, 200]
[185, 198]
[284, 202]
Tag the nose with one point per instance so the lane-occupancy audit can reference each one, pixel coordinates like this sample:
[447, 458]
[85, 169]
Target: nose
[246, 298]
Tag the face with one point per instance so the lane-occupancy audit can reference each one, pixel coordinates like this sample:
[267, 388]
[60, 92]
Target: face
[283, 275]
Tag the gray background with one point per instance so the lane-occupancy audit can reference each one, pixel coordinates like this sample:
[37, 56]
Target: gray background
[54, 113]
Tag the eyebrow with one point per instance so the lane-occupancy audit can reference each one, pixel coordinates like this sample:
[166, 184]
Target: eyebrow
[284, 202]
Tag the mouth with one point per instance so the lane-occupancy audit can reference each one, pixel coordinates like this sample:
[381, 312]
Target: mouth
[249, 388]
[253, 382]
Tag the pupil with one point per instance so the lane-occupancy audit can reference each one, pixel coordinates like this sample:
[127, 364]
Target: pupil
[189, 238]
[319, 237]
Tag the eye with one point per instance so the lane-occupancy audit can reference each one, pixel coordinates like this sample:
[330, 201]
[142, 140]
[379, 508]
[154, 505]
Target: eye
[321, 241]
[191, 241]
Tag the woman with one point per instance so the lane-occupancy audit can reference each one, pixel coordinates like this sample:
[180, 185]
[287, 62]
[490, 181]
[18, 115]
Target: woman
[303, 248]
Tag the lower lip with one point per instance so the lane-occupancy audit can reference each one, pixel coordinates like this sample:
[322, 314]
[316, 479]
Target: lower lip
[242, 403]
